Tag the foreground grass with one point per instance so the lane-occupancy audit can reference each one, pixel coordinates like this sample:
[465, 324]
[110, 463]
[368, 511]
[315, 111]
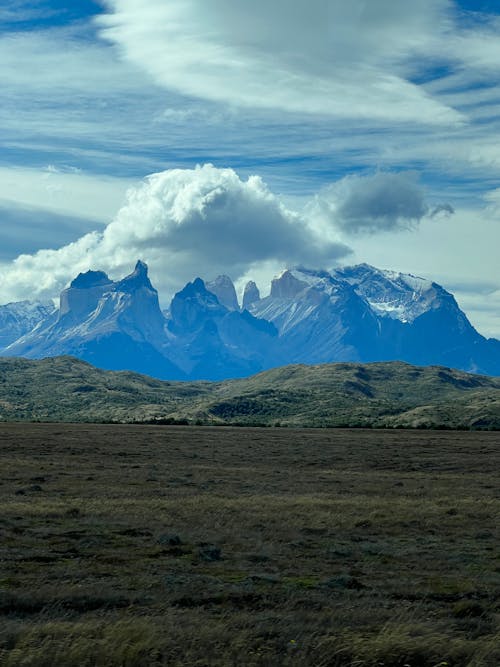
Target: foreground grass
[132, 546]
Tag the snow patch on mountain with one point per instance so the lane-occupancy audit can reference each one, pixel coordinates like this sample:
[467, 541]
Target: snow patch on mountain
[400, 296]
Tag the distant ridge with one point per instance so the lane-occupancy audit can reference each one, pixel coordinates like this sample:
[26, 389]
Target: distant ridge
[382, 394]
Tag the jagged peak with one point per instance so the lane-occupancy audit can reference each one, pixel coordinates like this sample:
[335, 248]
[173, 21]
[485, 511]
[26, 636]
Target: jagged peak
[251, 294]
[224, 290]
[287, 285]
[292, 281]
[141, 267]
[196, 291]
[196, 287]
[223, 279]
[135, 280]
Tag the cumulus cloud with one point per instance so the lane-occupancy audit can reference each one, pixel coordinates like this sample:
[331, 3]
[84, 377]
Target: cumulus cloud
[325, 57]
[385, 201]
[183, 222]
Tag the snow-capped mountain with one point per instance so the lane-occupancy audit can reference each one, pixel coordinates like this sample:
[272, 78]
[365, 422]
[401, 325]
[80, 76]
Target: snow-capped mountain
[421, 322]
[17, 319]
[362, 313]
[318, 317]
[357, 313]
[400, 296]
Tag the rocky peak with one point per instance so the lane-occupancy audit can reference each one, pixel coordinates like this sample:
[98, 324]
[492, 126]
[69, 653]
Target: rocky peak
[286, 286]
[191, 306]
[224, 290]
[136, 280]
[90, 279]
[251, 294]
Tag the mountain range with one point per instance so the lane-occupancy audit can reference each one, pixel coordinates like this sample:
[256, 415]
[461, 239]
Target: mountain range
[351, 314]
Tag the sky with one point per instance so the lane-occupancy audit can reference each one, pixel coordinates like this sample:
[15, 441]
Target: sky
[244, 137]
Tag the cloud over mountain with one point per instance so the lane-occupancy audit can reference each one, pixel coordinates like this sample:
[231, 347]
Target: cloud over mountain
[183, 222]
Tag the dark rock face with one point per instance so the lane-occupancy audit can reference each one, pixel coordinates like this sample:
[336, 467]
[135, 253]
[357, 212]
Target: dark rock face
[213, 342]
[90, 279]
[191, 306]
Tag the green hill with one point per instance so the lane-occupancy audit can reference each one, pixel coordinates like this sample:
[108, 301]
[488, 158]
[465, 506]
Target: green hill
[385, 394]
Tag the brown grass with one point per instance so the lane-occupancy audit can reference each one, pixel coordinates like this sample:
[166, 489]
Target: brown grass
[132, 546]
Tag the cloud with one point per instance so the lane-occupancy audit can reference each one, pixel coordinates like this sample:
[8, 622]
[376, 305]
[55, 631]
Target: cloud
[325, 57]
[383, 202]
[183, 222]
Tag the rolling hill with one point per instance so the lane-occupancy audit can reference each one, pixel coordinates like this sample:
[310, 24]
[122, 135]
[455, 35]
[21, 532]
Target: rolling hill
[381, 394]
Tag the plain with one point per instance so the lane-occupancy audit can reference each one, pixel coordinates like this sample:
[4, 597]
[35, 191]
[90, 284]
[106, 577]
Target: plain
[129, 545]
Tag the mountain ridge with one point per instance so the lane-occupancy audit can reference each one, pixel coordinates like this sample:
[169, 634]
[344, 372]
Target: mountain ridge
[358, 313]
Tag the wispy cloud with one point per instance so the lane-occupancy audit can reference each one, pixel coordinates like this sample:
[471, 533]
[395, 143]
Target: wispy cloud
[328, 58]
[63, 191]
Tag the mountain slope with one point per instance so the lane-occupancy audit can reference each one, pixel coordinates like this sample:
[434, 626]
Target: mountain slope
[361, 313]
[319, 318]
[347, 394]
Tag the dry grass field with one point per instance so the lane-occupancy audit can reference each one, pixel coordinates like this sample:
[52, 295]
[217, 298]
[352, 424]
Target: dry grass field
[150, 545]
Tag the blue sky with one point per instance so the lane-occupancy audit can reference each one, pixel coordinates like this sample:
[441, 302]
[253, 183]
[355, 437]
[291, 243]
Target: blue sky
[339, 133]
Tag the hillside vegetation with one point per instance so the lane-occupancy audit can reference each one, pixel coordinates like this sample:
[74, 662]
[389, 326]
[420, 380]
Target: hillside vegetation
[385, 394]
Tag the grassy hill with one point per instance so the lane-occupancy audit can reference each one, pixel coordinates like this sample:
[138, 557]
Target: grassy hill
[384, 394]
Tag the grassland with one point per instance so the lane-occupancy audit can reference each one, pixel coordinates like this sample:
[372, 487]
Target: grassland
[382, 395]
[131, 546]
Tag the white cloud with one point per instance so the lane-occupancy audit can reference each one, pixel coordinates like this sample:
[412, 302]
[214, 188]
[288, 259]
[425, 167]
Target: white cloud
[324, 57]
[183, 223]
